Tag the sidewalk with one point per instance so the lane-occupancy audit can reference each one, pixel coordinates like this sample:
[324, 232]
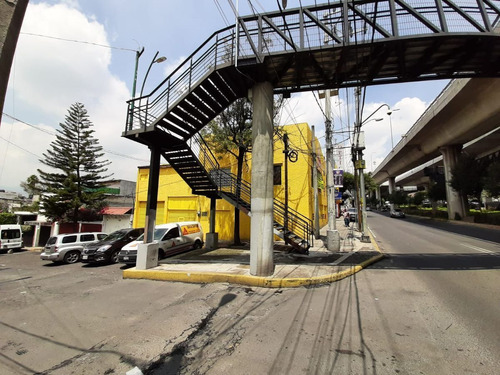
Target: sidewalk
[232, 264]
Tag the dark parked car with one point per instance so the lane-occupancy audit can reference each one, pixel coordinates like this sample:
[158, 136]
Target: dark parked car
[397, 213]
[106, 250]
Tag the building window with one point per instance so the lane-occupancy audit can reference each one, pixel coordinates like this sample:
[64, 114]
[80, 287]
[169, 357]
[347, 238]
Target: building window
[277, 174]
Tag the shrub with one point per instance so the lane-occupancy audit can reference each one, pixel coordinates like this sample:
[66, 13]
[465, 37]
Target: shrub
[8, 218]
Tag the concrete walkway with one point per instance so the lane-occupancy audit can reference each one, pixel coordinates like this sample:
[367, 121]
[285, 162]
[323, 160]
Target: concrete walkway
[232, 264]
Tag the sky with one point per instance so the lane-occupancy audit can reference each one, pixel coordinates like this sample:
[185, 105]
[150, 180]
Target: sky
[84, 51]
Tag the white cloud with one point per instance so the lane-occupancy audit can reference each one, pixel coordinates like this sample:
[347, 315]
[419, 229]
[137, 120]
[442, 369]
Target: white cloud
[48, 75]
[378, 133]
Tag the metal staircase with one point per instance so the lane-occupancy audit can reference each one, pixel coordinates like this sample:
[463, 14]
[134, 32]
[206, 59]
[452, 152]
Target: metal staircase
[196, 164]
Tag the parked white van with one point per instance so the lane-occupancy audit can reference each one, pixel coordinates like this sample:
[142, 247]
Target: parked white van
[11, 237]
[172, 238]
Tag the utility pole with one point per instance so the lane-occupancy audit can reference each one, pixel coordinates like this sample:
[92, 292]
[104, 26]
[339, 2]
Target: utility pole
[134, 84]
[315, 185]
[332, 234]
[286, 151]
[359, 165]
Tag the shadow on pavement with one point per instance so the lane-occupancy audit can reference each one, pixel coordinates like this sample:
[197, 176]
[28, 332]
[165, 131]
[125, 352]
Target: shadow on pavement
[438, 262]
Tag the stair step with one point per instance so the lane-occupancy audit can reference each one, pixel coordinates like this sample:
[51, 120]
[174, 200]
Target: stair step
[201, 105]
[208, 99]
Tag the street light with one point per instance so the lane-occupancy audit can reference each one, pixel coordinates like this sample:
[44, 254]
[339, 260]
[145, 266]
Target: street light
[373, 119]
[359, 165]
[389, 113]
[137, 55]
[155, 60]
[131, 108]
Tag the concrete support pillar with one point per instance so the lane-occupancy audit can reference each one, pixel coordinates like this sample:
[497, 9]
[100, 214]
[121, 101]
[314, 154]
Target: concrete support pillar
[392, 185]
[456, 203]
[377, 194]
[147, 256]
[154, 175]
[261, 230]
[392, 189]
[212, 238]
[36, 235]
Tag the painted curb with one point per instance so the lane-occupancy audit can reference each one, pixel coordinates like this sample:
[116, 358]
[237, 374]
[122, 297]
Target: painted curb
[248, 280]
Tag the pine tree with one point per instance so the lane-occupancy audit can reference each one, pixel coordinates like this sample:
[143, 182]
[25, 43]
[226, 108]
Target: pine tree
[71, 191]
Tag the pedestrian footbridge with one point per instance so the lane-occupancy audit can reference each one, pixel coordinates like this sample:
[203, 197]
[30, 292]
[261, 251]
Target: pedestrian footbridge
[339, 44]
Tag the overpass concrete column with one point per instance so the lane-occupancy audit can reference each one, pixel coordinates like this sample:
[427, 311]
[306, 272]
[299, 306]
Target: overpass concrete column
[261, 230]
[377, 195]
[392, 185]
[456, 203]
[392, 189]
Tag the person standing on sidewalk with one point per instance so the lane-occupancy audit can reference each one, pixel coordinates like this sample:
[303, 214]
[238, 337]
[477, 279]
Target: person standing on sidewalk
[347, 219]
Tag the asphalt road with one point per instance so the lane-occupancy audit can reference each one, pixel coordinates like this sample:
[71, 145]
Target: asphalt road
[430, 307]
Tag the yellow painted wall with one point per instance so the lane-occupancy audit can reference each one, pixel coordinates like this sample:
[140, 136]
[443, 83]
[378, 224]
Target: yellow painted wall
[176, 203]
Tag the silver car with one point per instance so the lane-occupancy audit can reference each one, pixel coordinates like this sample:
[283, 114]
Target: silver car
[68, 247]
[397, 212]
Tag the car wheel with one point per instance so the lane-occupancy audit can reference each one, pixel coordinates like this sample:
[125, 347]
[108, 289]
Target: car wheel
[161, 254]
[114, 256]
[197, 245]
[72, 257]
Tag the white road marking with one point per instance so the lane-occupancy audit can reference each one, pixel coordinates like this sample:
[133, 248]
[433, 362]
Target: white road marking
[478, 248]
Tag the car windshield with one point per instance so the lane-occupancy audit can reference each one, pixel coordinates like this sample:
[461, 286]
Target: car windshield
[159, 232]
[118, 235]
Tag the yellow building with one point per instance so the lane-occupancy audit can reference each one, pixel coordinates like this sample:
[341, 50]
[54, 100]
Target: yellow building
[177, 203]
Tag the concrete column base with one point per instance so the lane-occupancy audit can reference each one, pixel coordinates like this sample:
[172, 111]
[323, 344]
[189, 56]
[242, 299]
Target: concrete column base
[212, 241]
[332, 240]
[147, 256]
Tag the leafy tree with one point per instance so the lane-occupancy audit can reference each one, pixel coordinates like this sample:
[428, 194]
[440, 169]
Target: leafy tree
[71, 191]
[348, 182]
[370, 184]
[437, 191]
[398, 197]
[492, 179]
[468, 175]
[231, 133]
[418, 198]
[31, 185]
[7, 218]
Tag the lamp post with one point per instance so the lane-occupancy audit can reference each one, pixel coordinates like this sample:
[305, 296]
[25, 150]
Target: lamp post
[155, 60]
[389, 113]
[137, 56]
[359, 164]
[134, 84]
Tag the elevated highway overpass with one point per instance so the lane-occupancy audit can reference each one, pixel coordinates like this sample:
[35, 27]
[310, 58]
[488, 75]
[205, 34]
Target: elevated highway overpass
[466, 115]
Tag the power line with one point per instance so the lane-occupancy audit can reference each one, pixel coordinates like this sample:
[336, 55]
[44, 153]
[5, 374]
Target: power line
[79, 41]
[221, 11]
[53, 133]
[13, 144]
